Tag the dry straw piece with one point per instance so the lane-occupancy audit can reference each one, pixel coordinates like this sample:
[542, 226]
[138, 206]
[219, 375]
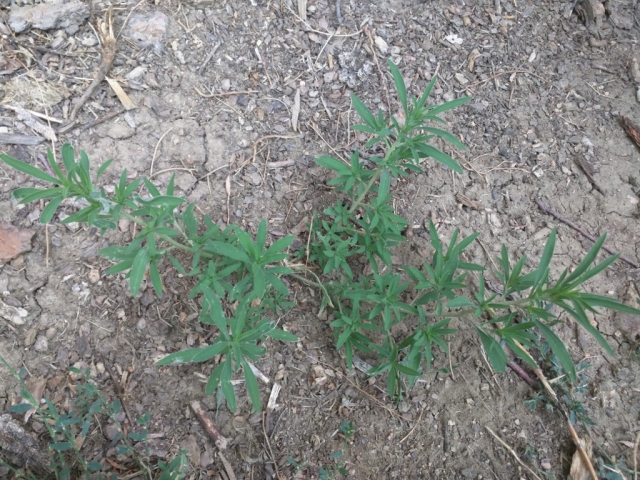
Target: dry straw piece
[27, 93]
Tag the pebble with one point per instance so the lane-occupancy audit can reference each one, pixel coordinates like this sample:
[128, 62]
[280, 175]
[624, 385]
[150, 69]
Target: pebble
[41, 344]
[49, 16]
[111, 431]
[120, 131]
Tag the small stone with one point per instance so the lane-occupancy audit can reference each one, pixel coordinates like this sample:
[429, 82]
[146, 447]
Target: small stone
[15, 315]
[254, 178]
[30, 337]
[146, 30]
[381, 44]
[545, 464]
[462, 80]
[403, 407]
[47, 16]
[319, 376]
[41, 344]
[136, 73]
[141, 325]
[94, 275]
[13, 242]
[89, 42]
[206, 459]
[120, 131]
[111, 431]
[468, 473]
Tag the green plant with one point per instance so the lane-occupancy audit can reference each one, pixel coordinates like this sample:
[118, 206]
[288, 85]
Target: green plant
[239, 277]
[368, 306]
[68, 432]
[568, 391]
[329, 473]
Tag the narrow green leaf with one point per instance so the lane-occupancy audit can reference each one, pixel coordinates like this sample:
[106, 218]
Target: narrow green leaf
[333, 164]
[154, 274]
[460, 302]
[452, 139]
[193, 354]
[214, 379]
[496, 354]
[68, 157]
[162, 201]
[50, 209]
[227, 387]
[103, 167]
[385, 183]
[20, 408]
[252, 386]
[441, 157]
[282, 335]
[363, 111]
[541, 272]
[28, 195]
[279, 245]
[60, 446]
[94, 466]
[400, 86]
[448, 106]
[176, 263]
[558, 348]
[138, 268]
[229, 251]
[608, 302]
[28, 169]
[588, 259]
[261, 235]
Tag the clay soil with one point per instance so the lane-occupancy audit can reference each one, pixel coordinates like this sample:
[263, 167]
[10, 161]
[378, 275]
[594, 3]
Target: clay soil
[548, 86]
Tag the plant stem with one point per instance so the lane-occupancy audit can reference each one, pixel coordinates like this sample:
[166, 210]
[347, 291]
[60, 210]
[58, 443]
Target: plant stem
[367, 187]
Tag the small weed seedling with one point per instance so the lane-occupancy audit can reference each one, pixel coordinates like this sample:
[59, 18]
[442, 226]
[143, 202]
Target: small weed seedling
[567, 391]
[239, 276]
[68, 431]
[329, 473]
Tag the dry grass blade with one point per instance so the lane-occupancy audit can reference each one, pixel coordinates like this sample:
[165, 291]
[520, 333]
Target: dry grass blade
[125, 100]
[513, 453]
[108, 55]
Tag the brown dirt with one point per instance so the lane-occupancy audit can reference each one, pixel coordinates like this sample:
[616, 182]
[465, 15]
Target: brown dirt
[547, 91]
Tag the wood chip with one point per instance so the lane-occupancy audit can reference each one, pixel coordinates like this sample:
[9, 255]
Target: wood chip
[632, 130]
[295, 111]
[15, 139]
[126, 102]
[468, 202]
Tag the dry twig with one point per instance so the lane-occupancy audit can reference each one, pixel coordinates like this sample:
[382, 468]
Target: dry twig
[572, 431]
[548, 210]
[108, 55]
[513, 453]
[224, 94]
[266, 439]
[155, 151]
[375, 57]
[206, 422]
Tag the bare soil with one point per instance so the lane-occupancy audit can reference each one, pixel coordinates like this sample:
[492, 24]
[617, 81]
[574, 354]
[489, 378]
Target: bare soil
[548, 87]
